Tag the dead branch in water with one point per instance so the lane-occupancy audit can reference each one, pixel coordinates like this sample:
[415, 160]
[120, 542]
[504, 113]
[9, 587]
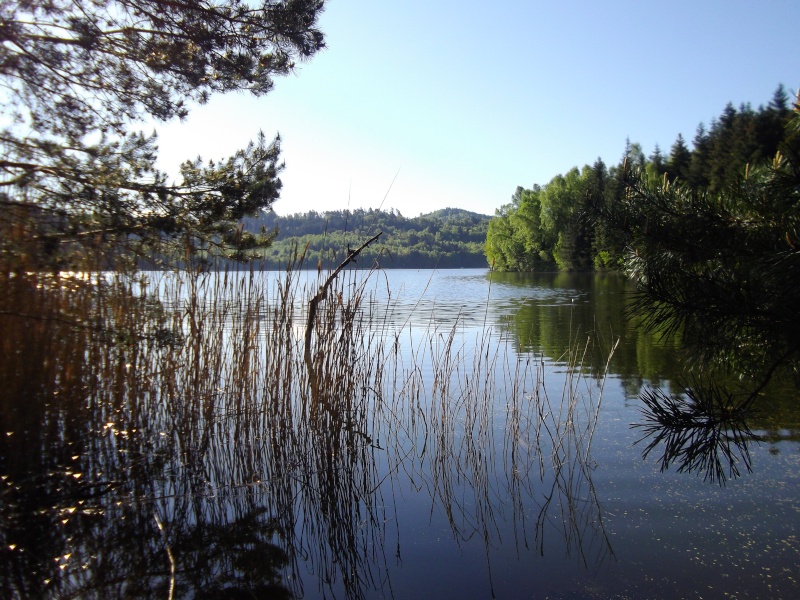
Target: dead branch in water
[321, 295]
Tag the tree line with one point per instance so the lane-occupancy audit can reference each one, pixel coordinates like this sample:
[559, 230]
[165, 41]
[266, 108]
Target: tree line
[446, 238]
[710, 236]
[562, 226]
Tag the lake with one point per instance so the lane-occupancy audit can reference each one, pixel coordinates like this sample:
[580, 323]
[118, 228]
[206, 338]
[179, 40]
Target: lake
[448, 434]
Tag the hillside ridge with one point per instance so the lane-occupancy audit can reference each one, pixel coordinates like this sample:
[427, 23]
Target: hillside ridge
[444, 238]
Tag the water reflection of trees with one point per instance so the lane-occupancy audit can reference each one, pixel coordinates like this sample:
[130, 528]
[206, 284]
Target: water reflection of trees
[704, 430]
[577, 306]
[181, 453]
[709, 436]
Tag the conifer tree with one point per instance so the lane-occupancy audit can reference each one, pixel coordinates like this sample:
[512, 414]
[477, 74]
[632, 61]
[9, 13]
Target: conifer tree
[680, 160]
[656, 161]
[720, 267]
[722, 159]
[770, 124]
[76, 179]
[698, 169]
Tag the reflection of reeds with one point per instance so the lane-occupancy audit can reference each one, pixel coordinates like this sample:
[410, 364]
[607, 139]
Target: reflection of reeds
[479, 391]
[190, 397]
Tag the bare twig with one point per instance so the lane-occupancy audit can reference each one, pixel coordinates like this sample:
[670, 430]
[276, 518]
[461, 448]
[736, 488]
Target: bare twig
[321, 295]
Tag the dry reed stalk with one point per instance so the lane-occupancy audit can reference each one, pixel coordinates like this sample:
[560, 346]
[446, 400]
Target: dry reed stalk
[231, 426]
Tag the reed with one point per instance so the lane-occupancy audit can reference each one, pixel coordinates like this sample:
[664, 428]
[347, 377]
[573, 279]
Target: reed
[172, 433]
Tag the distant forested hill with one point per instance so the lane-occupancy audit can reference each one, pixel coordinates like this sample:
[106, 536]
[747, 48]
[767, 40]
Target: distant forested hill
[447, 238]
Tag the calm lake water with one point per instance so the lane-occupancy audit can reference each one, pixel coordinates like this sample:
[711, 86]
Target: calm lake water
[491, 454]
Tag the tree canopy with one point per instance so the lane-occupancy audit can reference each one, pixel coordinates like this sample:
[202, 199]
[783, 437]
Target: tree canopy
[557, 226]
[720, 266]
[76, 77]
[711, 238]
[446, 238]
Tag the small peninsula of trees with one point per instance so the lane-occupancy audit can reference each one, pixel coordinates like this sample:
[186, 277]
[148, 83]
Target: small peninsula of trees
[557, 225]
[77, 181]
[446, 238]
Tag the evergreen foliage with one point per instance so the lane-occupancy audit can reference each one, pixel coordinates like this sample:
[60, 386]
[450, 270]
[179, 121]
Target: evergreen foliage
[76, 181]
[711, 238]
[680, 160]
[447, 238]
[561, 225]
[721, 266]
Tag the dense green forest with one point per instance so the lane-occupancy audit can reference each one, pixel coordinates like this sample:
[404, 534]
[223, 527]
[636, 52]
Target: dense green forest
[710, 236]
[447, 238]
[562, 225]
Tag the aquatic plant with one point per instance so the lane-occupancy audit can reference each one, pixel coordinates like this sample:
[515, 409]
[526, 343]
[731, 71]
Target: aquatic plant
[162, 430]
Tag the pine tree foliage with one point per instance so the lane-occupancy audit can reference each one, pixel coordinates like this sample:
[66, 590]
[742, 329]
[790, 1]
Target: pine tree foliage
[680, 160]
[78, 74]
[722, 268]
[711, 237]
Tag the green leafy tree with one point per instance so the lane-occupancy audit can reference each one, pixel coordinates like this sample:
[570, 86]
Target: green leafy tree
[548, 226]
[502, 253]
[75, 181]
[516, 239]
[573, 250]
[557, 211]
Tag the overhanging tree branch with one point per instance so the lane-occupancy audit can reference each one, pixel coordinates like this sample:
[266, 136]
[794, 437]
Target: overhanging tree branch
[76, 68]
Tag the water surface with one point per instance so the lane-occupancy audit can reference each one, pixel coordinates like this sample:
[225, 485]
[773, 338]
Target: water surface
[492, 455]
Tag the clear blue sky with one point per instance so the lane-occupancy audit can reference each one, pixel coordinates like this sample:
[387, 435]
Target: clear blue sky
[463, 101]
